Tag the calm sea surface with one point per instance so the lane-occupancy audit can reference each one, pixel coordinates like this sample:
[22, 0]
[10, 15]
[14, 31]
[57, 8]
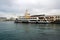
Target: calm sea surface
[13, 31]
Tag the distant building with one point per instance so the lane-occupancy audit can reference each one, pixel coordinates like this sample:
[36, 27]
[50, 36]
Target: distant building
[3, 18]
[11, 19]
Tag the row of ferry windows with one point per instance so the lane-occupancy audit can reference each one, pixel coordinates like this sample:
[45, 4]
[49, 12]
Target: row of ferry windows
[33, 18]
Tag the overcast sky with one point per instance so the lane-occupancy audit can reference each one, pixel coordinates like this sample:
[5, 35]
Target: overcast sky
[18, 7]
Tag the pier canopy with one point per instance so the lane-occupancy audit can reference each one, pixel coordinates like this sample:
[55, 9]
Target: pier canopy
[37, 15]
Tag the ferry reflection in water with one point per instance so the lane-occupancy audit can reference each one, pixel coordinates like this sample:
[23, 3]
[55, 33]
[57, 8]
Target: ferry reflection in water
[21, 31]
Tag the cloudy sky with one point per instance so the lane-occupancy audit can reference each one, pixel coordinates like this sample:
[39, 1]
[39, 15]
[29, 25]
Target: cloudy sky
[18, 7]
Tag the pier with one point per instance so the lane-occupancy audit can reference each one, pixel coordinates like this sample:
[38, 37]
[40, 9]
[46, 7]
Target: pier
[27, 18]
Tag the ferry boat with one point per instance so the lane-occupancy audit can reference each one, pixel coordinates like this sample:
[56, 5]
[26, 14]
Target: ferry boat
[31, 20]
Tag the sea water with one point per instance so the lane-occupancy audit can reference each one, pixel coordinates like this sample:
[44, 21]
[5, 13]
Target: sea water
[24, 31]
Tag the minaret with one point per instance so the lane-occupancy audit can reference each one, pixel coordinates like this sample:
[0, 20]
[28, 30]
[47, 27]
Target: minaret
[27, 14]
